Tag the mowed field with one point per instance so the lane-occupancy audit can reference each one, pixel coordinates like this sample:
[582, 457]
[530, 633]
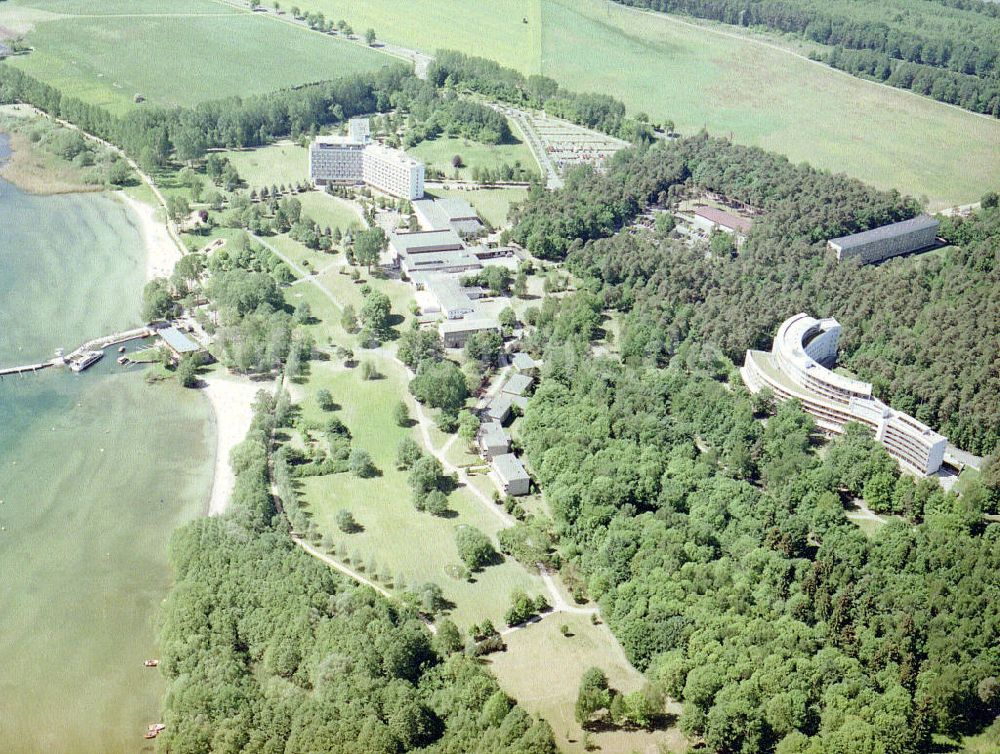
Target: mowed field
[706, 76]
[173, 53]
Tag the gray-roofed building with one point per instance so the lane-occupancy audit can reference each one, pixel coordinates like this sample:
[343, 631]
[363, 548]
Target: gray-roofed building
[431, 251]
[518, 385]
[493, 439]
[887, 241]
[499, 409]
[523, 362]
[510, 476]
[454, 332]
[179, 343]
[450, 297]
[449, 213]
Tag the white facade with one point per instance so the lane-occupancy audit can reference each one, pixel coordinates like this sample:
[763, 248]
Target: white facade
[797, 367]
[355, 159]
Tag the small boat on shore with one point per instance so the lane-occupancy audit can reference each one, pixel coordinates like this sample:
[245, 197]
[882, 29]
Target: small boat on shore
[153, 730]
[123, 360]
[151, 663]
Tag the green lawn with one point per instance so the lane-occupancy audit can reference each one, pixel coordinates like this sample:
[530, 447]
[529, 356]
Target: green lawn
[700, 75]
[174, 53]
[491, 204]
[542, 669]
[399, 539]
[329, 211]
[283, 162]
[438, 154]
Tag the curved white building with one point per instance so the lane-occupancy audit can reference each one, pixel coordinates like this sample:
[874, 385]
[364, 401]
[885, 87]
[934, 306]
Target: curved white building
[797, 366]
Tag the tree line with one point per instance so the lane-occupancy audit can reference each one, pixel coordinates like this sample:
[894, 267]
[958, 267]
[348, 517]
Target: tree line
[153, 135]
[949, 51]
[486, 77]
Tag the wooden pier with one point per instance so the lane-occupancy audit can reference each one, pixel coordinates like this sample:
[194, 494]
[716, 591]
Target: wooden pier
[97, 344]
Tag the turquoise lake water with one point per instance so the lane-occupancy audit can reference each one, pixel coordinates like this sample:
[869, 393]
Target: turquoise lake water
[96, 470]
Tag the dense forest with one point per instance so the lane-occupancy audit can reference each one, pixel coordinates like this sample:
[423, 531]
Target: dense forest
[948, 50]
[721, 556]
[918, 329]
[267, 650]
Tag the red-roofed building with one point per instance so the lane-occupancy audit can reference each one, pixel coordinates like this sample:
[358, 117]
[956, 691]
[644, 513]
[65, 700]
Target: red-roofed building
[710, 218]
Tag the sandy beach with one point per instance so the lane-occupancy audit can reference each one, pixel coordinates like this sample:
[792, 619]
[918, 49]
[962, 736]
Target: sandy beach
[162, 251]
[232, 400]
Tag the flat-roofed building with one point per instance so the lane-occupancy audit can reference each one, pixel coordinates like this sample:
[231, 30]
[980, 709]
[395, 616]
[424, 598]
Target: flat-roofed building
[887, 241]
[448, 214]
[427, 251]
[353, 159]
[509, 475]
[523, 362]
[179, 344]
[454, 332]
[712, 218]
[499, 409]
[798, 366]
[392, 171]
[493, 439]
[518, 385]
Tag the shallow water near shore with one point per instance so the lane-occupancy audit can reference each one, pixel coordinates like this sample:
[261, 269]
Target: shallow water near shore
[96, 470]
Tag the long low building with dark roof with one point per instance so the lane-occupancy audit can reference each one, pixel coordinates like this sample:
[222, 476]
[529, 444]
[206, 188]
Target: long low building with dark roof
[797, 366]
[887, 241]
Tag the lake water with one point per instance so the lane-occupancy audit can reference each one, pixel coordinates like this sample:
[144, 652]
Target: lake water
[96, 470]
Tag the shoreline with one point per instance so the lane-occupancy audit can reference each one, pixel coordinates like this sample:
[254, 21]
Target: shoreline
[161, 251]
[231, 399]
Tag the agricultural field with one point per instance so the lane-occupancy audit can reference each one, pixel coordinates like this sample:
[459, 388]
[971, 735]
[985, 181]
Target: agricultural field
[438, 154]
[172, 53]
[542, 670]
[748, 87]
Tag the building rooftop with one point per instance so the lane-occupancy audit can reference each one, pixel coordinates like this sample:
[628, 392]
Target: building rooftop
[499, 407]
[789, 341]
[456, 260]
[423, 241]
[517, 384]
[468, 325]
[178, 341]
[522, 361]
[493, 434]
[920, 222]
[449, 293]
[721, 217]
[509, 467]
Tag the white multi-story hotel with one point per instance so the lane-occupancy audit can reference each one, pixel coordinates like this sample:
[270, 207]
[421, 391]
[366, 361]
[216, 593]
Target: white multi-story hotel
[797, 366]
[356, 159]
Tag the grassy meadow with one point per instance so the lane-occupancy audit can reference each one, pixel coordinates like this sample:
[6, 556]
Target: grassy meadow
[438, 153]
[173, 53]
[542, 670]
[746, 87]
